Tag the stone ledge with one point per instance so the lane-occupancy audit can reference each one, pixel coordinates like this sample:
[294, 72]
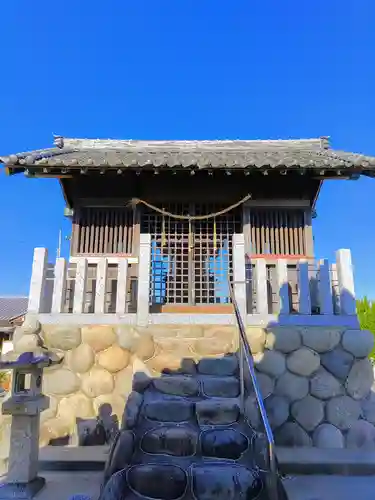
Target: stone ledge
[314, 461]
[70, 458]
[300, 461]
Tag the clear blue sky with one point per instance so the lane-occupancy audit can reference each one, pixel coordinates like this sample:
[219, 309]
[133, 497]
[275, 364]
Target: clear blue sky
[175, 69]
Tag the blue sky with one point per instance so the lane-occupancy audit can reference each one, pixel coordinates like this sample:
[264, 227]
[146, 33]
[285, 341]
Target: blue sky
[186, 70]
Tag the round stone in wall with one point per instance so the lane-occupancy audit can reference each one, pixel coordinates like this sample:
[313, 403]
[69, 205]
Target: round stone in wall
[145, 347]
[114, 358]
[60, 382]
[213, 346]
[27, 343]
[361, 435]
[328, 436]
[124, 381]
[270, 362]
[343, 411]
[256, 337]
[127, 337]
[97, 382]
[338, 362]
[283, 338]
[323, 385]
[368, 408]
[321, 339]
[30, 325]
[293, 387]
[64, 337]
[292, 435]
[277, 408]
[252, 413]
[81, 359]
[266, 384]
[99, 337]
[303, 361]
[360, 379]
[308, 412]
[358, 342]
[75, 406]
[51, 411]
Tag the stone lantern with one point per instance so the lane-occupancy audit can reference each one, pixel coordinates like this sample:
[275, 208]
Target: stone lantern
[25, 405]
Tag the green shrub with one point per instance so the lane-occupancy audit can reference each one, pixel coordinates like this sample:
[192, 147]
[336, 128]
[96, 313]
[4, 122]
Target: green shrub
[366, 315]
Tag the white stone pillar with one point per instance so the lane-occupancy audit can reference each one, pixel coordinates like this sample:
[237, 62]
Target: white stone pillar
[101, 285]
[261, 286]
[38, 280]
[345, 282]
[144, 279]
[325, 288]
[122, 286]
[335, 289]
[59, 286]
[239, 274]
[80, 286]
[283, 286]
[304, 287]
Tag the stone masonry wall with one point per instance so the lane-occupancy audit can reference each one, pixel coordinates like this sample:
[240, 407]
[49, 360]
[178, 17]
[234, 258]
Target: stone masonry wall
[316, 382]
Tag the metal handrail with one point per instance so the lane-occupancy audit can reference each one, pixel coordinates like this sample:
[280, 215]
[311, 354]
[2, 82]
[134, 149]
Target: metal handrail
[245, 350]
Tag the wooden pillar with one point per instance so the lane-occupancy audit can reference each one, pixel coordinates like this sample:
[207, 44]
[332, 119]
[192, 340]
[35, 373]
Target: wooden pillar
[325, 288]
[261, 286]
[304, 287]
[122, 286]
[59, 286]
[80, 286]
[239, 277]
[101, 285]
[283, 286]
[144, 279]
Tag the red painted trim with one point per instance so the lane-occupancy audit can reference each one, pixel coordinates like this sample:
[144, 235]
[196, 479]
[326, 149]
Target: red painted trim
[279, 256]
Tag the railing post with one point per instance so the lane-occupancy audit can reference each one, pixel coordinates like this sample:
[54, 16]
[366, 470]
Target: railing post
[325, 288]
[59, 286]
[304, 298]
[101, 286]
[38, 279]
[122, 286]
[283, 286]
[346, 282]
[261, 290]
[144, 279]
[239, 274]
[80, 286]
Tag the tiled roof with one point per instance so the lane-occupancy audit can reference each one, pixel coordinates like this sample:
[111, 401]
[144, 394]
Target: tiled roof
[12, 307]
[78, 153]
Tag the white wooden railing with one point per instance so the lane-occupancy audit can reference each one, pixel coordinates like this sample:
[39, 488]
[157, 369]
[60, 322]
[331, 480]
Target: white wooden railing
[264, 288]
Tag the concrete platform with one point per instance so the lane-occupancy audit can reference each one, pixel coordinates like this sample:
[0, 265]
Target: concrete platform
[61, 485]
[330, 487]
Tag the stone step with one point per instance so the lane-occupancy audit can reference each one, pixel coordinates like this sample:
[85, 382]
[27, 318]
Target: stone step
[223, 443]
[204, 385]
[171, 440]
[169, 410]
[223, 387]
[179, 385]
[218, 366]
[217, 411]
[204, 481]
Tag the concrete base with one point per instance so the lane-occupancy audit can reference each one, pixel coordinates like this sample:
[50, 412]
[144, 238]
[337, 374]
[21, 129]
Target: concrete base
[21, 491]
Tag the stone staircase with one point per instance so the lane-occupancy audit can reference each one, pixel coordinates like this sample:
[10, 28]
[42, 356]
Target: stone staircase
[183, 437]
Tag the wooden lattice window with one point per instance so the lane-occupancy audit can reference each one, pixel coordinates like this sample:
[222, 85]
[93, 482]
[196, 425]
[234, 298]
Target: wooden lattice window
[103, 231]
[190, 261]
[277, 231]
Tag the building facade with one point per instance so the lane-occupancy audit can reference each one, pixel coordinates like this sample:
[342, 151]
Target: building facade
[159, 230]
